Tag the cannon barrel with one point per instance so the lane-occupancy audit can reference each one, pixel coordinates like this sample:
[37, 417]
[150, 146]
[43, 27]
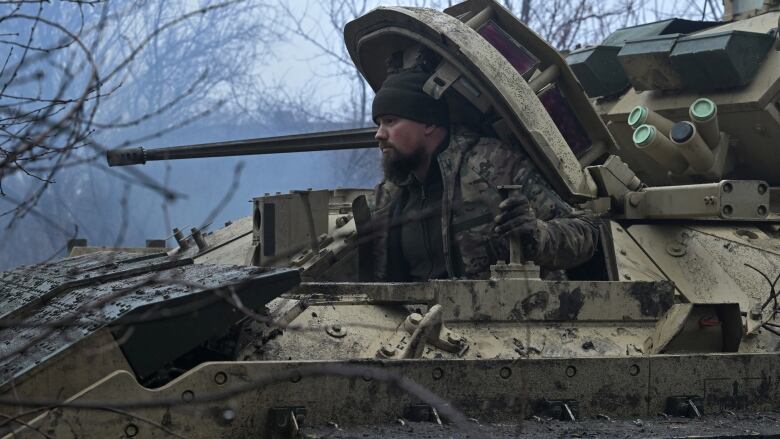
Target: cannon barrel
[360, 138]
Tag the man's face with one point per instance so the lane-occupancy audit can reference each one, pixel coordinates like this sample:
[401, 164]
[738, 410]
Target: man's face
[402, 142]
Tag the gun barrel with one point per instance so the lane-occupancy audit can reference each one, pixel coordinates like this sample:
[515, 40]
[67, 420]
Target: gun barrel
[360, 138]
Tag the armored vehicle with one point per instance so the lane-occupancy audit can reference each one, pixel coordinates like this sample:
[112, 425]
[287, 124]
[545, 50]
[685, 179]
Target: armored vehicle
[273, 327]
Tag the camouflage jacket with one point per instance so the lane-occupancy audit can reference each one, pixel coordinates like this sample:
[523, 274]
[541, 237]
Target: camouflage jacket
[472, 167]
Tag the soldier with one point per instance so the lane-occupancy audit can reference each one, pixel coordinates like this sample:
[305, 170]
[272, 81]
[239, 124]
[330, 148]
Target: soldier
[438, 211]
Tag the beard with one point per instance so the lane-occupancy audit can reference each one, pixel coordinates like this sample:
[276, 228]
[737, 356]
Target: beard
[397, 166]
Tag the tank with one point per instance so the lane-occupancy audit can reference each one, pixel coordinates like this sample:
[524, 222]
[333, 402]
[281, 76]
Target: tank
[272, 326]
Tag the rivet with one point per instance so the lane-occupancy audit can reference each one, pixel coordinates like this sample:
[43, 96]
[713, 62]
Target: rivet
[131, 430]
[727, 187]
[505, 372]
[756, 313]
[228, 415]
[220, 378]
[633, 370]
[571, 371]
[187, 396]
[728, 210]
[296, 377]
[438, 373]
[761, 210]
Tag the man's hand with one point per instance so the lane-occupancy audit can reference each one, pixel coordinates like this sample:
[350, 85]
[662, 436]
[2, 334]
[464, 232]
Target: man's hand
[517, 217]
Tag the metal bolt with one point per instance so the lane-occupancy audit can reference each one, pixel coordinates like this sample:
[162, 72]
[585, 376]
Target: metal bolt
[220, 378]
[633, 370]
[388, 351]
[415, 318]
[728, 210]
[761, 210]
[131, 430]
[762, 189]
[452, 338]
[336, 331]
[228, 415]
[728, 187]
[197, 235]
[634, 199]
[571, 371]
[676, 250]
[438, 373]
[756, 312]
[179, 236]
[505, 372]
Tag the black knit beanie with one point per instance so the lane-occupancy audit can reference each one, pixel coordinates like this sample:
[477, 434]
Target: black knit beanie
[402, 95]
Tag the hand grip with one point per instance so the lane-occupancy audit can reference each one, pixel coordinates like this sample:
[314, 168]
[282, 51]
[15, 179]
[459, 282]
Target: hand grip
[515, 250]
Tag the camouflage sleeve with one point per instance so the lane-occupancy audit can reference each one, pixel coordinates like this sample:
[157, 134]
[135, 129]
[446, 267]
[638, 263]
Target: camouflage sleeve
[566, 237]
[377, 230]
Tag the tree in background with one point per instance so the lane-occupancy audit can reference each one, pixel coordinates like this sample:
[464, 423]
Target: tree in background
[79, 77]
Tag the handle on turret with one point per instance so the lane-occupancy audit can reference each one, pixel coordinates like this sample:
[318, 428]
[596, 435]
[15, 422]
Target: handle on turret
[515, 250]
